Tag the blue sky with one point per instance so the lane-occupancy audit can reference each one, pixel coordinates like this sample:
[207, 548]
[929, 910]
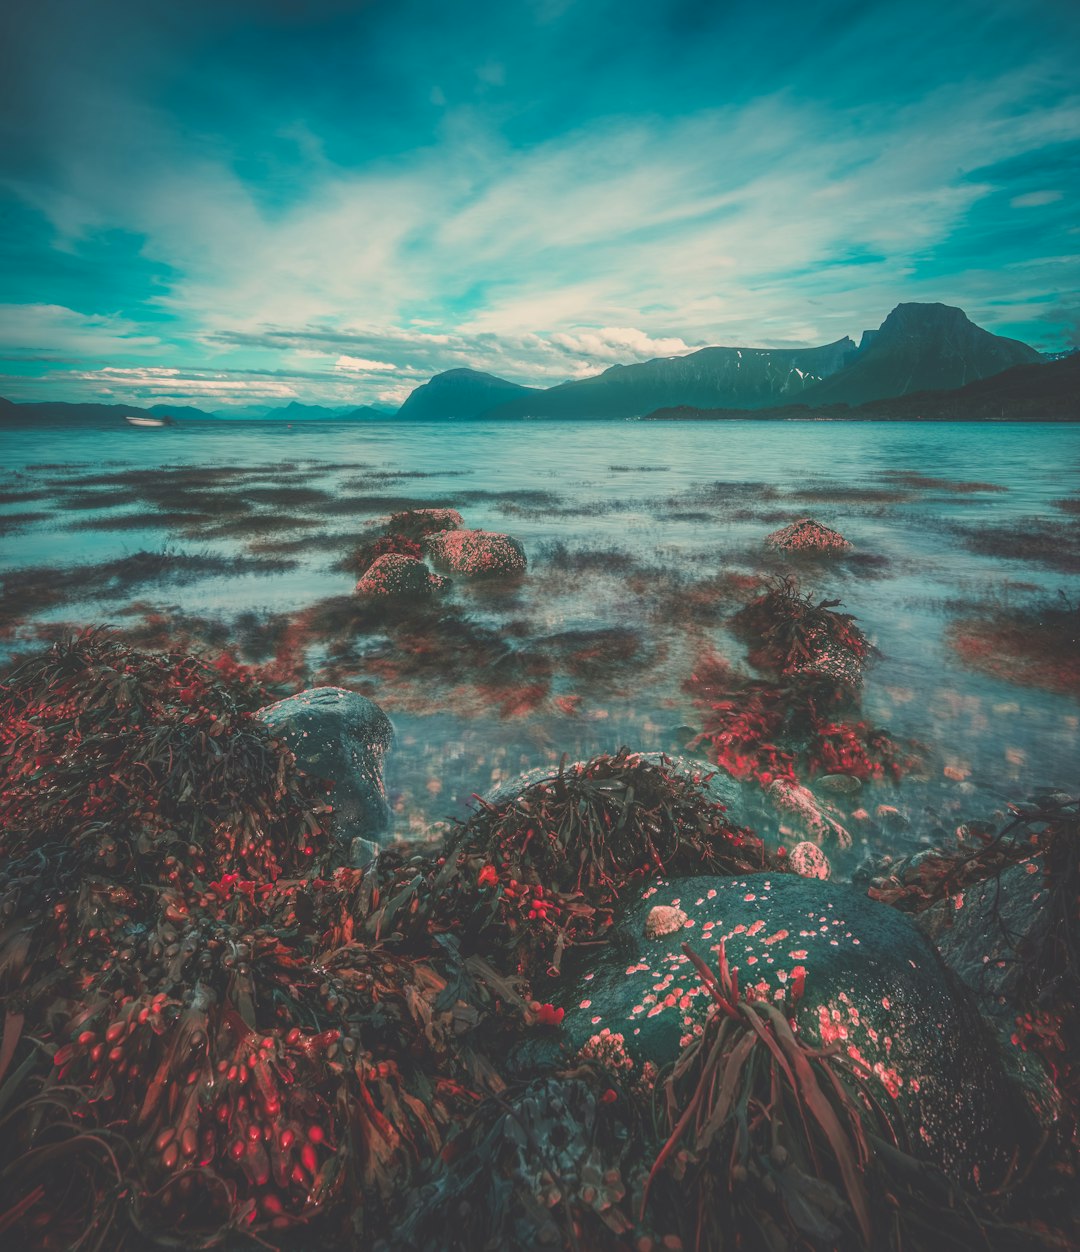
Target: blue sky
[254, 201]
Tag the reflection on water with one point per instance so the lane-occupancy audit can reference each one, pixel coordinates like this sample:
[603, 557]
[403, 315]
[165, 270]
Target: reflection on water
[624, 524]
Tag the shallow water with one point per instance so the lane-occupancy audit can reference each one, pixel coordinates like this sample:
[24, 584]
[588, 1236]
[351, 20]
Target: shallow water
[684, 500]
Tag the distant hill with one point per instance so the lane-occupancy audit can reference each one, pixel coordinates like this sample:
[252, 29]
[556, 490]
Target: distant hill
[920, 347]
[366, 413]
[1046, 392]
[294, 411]
[180, 412]
[462, 393]
[60, 413]
[739, 377]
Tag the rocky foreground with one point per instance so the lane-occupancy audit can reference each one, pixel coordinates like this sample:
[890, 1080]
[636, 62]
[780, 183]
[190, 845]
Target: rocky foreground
[604, 1013]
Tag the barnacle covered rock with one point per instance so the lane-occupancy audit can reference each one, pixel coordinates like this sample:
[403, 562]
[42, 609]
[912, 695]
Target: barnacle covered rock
[864, 980]
[398, 575]
[806, 535]
[424, 521]
[477, 552]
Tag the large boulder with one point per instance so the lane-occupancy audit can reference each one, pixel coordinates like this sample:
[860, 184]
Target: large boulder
[874, 988]
[341, 737]
[806, 535]
[477, 552]
[401, 577]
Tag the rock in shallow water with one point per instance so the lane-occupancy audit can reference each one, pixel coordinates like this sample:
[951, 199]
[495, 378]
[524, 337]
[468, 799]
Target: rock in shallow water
[874, 988]
[806, 535]
[399, 576]
[342, 737]
[477, 552]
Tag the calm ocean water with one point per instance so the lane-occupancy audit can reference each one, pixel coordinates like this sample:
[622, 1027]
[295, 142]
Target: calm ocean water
[691, 498]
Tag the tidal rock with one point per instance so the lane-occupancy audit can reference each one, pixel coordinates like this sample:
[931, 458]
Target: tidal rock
[340, 737]
[840, 784]
[718, 786]
[808, 860]
[799, 805]
[806, 535]
[872, 985]
[828, 659]
[981, 931]
[477, 552]
[399, 576]
[426, 521]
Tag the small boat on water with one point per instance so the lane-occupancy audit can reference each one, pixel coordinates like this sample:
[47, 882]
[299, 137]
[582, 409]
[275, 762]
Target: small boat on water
[132, 420]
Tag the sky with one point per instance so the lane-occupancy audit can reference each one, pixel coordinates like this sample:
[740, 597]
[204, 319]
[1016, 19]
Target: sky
[230, 203]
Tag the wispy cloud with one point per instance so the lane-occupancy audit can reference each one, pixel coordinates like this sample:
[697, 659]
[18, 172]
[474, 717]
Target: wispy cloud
[351, 260]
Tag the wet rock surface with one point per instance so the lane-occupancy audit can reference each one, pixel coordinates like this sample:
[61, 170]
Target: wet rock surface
[980, 931]
[342, 737]
[872, 987]
[399, 576]
[477, 552]
[806, 535]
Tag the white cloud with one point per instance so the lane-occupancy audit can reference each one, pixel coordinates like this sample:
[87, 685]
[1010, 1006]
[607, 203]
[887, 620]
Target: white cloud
[58, 330]
[619, 343]
[357, 365]
[1035, 199]
[626, 239]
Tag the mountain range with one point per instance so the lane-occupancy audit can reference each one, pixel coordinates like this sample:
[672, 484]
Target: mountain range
[931, 354]
[919, 347]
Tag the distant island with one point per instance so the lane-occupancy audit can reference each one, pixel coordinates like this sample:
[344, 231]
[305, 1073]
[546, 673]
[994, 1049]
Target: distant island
[925, 362]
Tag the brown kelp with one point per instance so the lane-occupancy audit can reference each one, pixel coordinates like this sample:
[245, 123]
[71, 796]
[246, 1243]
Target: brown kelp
[796, 720]
[1034, 646]
[202, 1036]
[543, 871]
[208, 1037]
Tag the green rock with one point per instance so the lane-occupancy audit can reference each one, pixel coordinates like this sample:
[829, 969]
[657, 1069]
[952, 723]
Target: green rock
[874, 988]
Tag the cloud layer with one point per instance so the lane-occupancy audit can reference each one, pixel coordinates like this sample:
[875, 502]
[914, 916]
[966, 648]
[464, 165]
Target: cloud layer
[335, 207]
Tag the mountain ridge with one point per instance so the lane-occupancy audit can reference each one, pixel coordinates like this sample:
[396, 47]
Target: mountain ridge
[1045, 392]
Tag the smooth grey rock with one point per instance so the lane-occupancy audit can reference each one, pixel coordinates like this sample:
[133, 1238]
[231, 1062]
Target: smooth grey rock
[873, 986]
[342, 737]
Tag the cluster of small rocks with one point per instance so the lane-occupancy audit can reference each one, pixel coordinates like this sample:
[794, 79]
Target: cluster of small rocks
[448, 543]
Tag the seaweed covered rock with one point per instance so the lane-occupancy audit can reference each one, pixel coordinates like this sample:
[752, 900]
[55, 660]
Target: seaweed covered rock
[146, 766]
[418, 522]
[477, 552]
[340, 738]
[540, 867]
[716, 786]
[864, 979]
[397, 575]
[806, 535]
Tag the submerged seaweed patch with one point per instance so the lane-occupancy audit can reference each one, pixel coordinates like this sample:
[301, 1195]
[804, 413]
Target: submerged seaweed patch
[1036, 646]
[1038, 539]
[27, 591]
